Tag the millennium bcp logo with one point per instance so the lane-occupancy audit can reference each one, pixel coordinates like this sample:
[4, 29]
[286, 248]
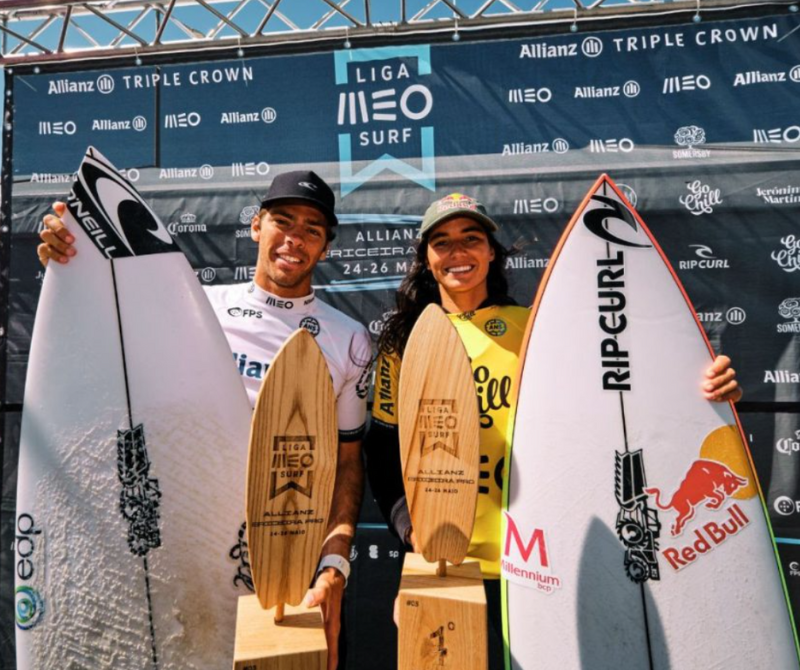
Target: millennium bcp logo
[383, 109]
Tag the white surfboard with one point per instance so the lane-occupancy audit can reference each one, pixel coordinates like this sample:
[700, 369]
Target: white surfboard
[132, 453]
[634, 534]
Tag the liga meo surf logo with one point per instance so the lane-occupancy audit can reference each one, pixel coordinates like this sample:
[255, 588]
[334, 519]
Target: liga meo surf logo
[437, 424]
[292, 465]
[383, 109]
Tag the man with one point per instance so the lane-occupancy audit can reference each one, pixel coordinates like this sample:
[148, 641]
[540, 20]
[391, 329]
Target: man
[293, 230]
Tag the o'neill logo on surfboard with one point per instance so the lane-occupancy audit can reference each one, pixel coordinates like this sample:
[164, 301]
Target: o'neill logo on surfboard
[526, 560]
[292, 465]
[113, 214]
[720, 475]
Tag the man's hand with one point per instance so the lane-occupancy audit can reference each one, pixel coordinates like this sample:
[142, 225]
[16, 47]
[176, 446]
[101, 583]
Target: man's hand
[720, 384]
[56, 239]
[327, 592]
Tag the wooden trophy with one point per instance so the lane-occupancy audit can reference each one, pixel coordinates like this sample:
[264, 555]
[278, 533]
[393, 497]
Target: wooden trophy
[291, 470]
[442, 612]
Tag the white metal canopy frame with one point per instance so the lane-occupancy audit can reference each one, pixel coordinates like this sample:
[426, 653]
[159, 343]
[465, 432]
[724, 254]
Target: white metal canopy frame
[43, 32]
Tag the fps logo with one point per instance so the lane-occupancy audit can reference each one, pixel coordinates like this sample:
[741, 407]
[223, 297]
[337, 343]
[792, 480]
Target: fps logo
[383, 107]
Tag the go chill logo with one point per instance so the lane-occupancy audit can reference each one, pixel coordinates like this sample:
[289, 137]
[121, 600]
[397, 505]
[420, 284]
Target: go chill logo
[383, 107]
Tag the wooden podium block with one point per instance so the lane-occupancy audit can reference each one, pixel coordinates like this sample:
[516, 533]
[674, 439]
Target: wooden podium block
[297, 643]
[442, 620]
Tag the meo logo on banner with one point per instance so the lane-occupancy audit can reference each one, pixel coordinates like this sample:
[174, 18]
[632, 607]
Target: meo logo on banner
[384, 103]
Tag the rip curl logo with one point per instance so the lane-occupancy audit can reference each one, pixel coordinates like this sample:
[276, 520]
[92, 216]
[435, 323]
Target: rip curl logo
[384, 111]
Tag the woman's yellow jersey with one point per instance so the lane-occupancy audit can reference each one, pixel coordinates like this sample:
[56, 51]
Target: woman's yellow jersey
[492, 337]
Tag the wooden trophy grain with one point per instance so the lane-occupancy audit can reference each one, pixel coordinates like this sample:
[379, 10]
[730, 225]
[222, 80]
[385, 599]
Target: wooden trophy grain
[441, 610]
[291, 470]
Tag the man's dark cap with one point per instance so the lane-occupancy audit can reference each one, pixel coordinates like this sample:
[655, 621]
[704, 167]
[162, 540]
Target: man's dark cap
[303, 185]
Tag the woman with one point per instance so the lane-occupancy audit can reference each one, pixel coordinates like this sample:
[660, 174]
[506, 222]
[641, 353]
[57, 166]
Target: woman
[460, 265]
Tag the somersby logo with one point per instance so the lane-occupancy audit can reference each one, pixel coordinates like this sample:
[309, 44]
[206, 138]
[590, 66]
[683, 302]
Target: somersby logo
[383, 107]
[790, 309]
[690, 137]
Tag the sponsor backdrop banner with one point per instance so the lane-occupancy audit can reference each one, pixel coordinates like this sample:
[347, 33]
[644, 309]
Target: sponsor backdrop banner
[698, 123]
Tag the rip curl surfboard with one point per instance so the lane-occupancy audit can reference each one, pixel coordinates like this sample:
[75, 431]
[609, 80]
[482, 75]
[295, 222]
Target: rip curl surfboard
[634, 535]
[132, 453]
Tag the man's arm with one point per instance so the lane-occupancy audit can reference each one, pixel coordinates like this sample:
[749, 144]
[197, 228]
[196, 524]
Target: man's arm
[329, 586]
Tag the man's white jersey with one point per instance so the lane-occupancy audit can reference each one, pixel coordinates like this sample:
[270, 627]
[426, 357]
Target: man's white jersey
[257, 323]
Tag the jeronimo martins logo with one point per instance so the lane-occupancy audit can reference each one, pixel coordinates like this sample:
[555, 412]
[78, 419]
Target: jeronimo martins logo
[383, 109]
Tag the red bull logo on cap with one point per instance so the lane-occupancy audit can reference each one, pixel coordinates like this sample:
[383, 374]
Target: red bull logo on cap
[456, 201]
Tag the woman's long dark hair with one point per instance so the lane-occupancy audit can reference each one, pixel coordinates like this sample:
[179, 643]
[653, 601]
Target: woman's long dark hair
[419, 289]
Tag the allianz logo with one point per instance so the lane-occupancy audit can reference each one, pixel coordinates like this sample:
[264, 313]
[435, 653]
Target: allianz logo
[630, 89]
[788, 445]
[557, 146]
[682, 84]
[624, 145]
[57, 128]
[758, 77]
[591, 47]
[186, 224]
[138, 123]
[203, 172]
[267, 115]
[182, 120]
[788, 135]
[735, 316]
[104, 84]
[251, 169]
[706, 260]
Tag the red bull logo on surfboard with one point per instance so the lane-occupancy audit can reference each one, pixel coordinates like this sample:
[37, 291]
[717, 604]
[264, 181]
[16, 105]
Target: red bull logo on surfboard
[706, 483]
[717, 480]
